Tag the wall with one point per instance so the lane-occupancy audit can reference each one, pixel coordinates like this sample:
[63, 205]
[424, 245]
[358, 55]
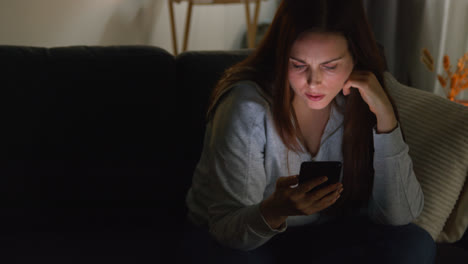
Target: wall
[52, 23]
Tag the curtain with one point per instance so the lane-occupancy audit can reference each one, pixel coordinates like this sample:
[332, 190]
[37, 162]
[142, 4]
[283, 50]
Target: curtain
[405, 27]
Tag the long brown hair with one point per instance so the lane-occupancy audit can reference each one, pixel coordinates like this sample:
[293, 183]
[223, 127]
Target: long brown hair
[268, 67]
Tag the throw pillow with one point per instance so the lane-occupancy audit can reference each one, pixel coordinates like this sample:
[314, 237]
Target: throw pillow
[436, 132]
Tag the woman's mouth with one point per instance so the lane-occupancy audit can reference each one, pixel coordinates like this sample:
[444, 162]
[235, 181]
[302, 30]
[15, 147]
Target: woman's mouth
[315, 97]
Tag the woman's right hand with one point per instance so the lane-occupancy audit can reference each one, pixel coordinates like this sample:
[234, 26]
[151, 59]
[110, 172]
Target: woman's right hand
[288, 200]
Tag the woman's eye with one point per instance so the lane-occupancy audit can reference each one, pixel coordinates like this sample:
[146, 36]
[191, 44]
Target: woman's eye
[330, 67]
[297, 66]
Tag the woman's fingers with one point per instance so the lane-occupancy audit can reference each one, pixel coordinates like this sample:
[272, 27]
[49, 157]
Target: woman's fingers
[283, 182]
[327, 198]
[323, 192]
[312, 202]
[300, 200]
[309, 185]
[371, 92]
[359, 80]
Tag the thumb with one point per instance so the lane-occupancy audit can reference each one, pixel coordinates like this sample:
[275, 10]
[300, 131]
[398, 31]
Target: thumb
[283, 182]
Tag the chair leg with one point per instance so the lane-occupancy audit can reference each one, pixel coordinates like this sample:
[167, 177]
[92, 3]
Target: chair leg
[173, 28]
[249, 25]
[255, 23]
[252, 27]
[187, 25]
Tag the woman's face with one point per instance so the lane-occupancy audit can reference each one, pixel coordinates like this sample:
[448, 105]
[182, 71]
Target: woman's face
[319, 65]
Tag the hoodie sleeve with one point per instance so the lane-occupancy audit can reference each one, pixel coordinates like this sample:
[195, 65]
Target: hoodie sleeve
[236, 170]
[397, 198]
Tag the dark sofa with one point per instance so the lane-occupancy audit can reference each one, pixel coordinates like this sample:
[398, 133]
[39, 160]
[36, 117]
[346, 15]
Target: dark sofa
[98, 145]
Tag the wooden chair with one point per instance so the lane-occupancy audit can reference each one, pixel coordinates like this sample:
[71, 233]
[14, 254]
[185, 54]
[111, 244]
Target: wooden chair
[251, 25]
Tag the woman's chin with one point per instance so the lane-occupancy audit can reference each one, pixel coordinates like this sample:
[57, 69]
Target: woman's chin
[320, 105]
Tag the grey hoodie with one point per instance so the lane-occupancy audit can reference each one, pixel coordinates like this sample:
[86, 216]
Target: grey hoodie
[243, 156]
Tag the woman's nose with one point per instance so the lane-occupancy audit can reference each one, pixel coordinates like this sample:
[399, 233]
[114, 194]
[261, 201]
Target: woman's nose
[314, 77]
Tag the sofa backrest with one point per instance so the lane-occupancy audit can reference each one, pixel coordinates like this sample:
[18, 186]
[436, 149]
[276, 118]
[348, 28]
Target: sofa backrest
[197, 74]
[77, 121]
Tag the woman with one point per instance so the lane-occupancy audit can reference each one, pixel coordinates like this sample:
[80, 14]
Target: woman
[312, 91]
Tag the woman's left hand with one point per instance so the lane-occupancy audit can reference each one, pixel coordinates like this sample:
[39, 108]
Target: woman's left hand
[374, 95]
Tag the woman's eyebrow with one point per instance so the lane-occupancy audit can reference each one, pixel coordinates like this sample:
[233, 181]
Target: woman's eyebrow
[296, 59]
[332, 60]
[326, 62]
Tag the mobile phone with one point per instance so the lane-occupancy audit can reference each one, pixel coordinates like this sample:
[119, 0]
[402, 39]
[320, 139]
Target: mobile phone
[313, 169]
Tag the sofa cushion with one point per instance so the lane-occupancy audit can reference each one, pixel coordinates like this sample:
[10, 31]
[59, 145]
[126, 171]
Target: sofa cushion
[436, 131]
